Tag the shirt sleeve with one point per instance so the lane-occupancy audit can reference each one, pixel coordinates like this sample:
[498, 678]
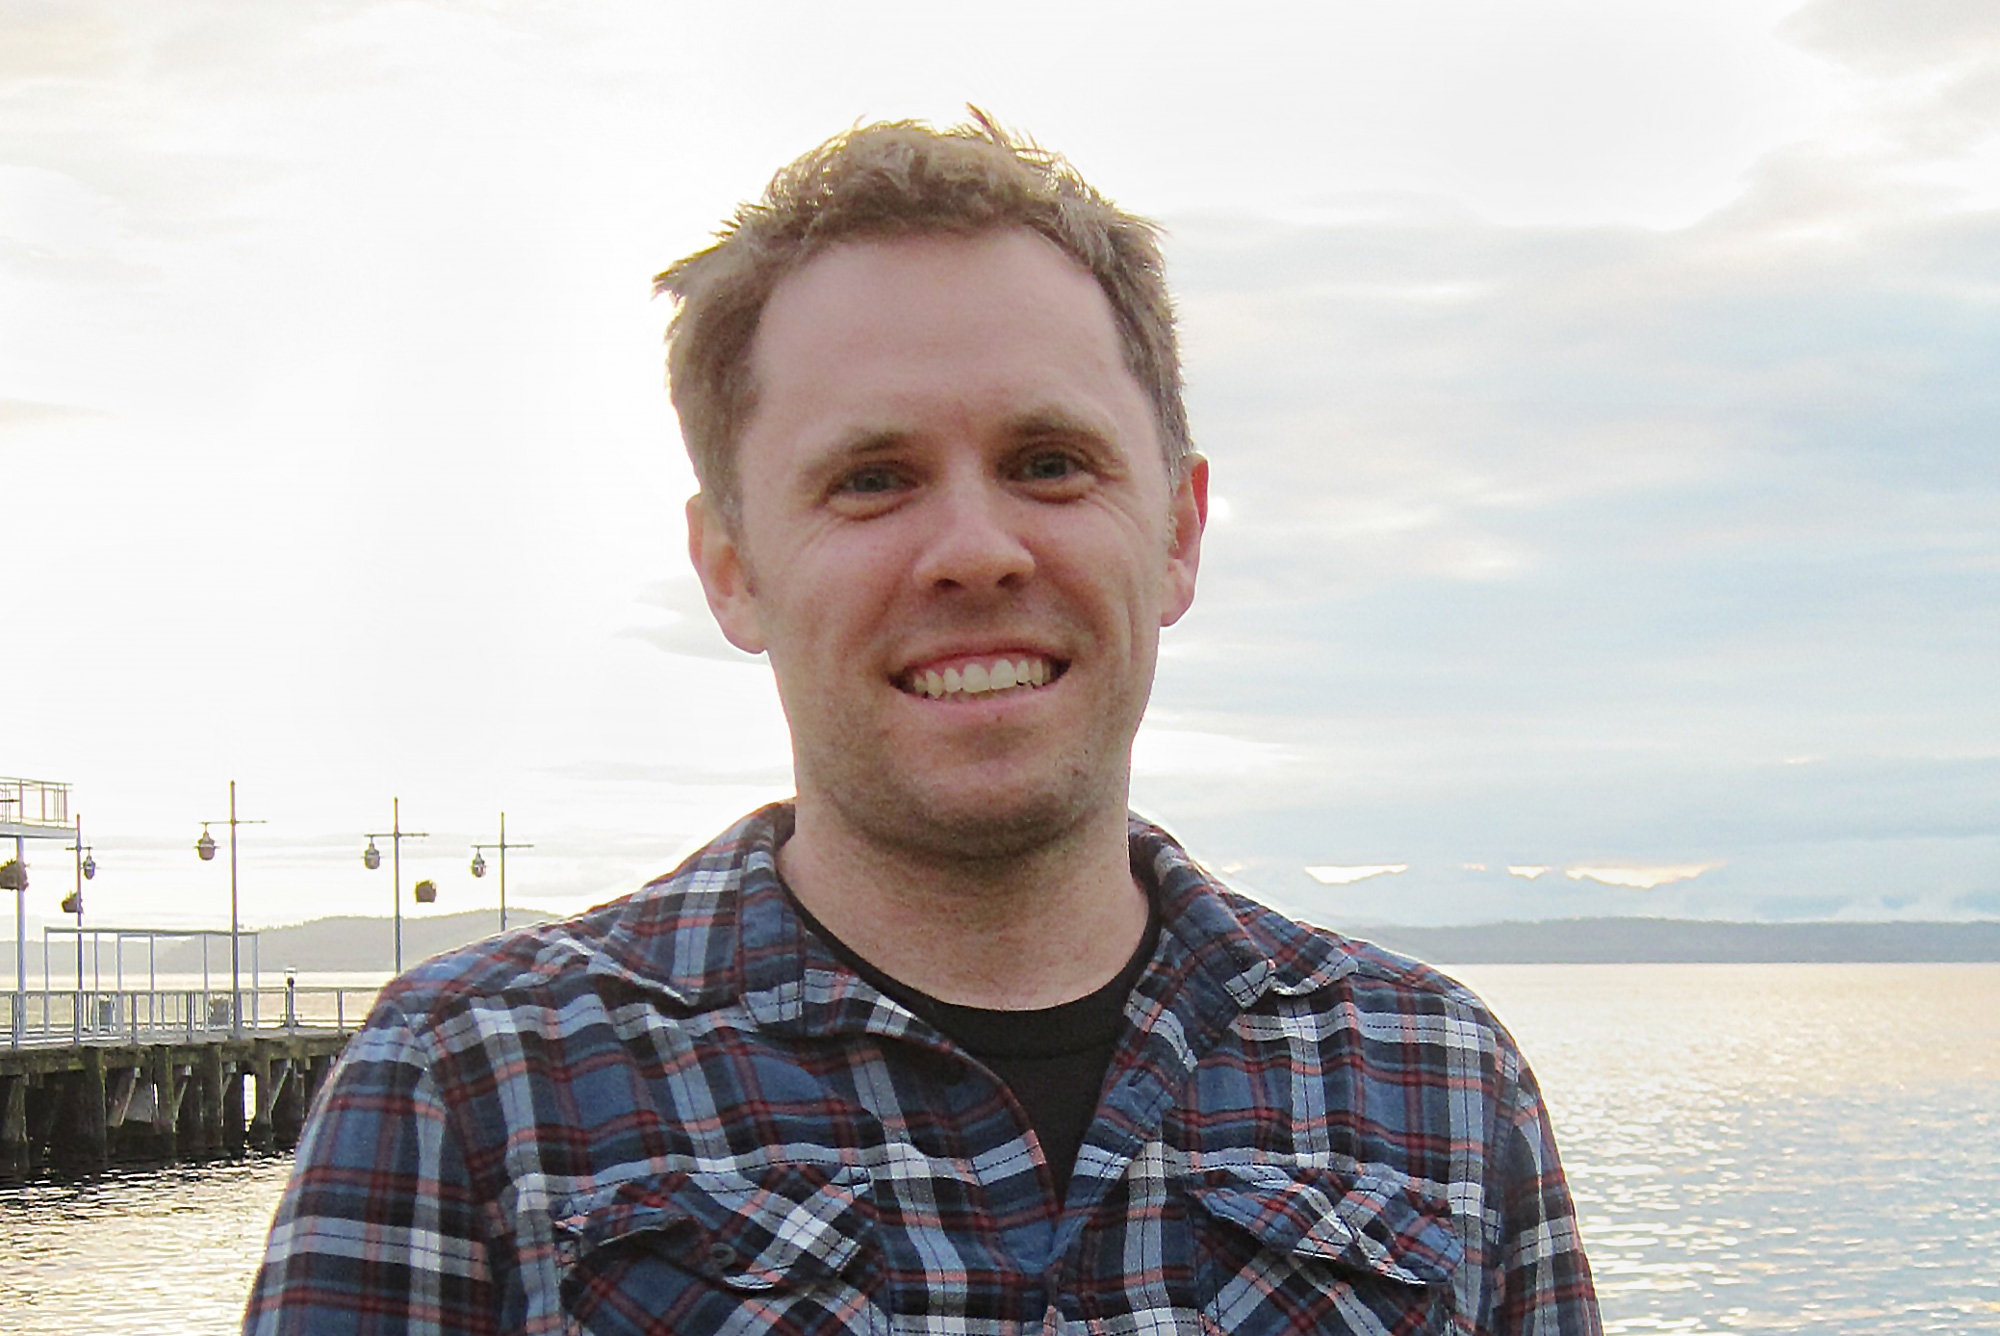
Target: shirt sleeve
[1543, 1285]
[379, 1229]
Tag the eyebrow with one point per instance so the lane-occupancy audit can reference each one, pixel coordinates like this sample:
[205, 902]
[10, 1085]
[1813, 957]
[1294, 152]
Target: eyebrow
[1056, 421]
[1049, 420]
[853, 447]
[866, 441]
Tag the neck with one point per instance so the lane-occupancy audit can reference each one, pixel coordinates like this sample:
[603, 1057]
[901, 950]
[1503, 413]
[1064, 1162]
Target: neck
[1029, 930]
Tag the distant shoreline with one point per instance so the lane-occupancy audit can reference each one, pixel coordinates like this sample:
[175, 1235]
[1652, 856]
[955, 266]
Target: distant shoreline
[1642, 941]
[359, 943]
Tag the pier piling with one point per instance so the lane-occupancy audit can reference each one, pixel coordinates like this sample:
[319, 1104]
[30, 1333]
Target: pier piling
[13, 1123]
[78, 1108]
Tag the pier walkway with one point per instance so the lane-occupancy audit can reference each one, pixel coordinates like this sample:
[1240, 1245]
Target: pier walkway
[91, 1077]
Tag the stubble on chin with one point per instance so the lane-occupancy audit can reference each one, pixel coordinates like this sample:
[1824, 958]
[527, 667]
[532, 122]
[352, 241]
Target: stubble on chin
[976, 831]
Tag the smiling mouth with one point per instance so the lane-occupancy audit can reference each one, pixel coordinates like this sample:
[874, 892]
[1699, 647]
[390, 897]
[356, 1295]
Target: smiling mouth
[979, 678]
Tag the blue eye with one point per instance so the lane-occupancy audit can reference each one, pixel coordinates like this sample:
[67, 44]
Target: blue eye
[871, 481]
[1049, 466]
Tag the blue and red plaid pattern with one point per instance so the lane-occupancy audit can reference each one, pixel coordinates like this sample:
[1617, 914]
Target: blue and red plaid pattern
[680, 1113]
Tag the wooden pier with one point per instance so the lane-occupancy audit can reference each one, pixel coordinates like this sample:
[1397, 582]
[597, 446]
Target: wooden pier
[91, 1076]
[80, 1107]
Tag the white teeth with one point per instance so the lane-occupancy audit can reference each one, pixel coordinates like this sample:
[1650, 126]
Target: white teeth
[977, 679]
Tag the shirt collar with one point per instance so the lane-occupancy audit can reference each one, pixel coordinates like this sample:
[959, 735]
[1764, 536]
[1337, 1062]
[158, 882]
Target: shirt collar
[721, 929]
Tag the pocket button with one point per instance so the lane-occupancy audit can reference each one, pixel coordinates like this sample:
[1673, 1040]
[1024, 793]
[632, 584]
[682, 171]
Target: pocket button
[723, 1257]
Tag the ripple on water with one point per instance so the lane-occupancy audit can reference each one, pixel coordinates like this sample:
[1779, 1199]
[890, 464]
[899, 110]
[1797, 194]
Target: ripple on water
[168, 1251]
[1767, 1149]
[1779, 1148]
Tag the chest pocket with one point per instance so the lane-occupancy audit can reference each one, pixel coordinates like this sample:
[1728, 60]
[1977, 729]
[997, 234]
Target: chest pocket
[789, 1249]
[1288, 1249]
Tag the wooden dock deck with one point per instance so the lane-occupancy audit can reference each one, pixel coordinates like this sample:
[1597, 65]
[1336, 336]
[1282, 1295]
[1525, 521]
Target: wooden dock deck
[94, 1077]
[84, 1106]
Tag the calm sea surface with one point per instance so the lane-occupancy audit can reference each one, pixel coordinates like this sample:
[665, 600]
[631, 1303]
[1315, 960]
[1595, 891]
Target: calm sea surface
[1753, 1148]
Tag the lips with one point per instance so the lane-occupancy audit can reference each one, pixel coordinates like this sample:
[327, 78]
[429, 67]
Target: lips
[970, 678]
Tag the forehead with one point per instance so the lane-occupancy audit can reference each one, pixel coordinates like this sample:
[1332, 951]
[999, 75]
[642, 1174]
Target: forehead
[976, 324]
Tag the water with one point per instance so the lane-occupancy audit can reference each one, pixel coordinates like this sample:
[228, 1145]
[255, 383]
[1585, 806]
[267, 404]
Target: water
[1753, 1148]
[1775, 1148]
[166, 1251]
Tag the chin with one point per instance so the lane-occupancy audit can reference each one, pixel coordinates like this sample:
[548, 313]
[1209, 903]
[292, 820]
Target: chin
[977, 830]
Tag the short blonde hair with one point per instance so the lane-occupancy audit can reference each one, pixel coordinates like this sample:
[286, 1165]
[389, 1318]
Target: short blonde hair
[902, 178]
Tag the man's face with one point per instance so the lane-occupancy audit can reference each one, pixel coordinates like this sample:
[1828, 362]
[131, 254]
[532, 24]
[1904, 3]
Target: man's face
[949, 469]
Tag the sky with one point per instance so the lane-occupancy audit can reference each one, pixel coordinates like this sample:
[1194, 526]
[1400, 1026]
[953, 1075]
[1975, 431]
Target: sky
[1603, 401]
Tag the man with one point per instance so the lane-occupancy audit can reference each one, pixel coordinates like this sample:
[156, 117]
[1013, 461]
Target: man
[949, 1043]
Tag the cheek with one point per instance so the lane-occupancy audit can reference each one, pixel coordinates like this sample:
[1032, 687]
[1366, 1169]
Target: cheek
[833, 598]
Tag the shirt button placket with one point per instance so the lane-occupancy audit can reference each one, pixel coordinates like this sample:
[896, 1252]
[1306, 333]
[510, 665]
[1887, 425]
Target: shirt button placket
[1052, 1315]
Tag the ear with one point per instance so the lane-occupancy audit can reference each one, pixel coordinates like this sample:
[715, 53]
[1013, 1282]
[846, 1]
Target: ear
[1189, 515]
[725, 576]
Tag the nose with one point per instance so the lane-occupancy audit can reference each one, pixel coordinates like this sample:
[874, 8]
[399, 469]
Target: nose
[975, 540]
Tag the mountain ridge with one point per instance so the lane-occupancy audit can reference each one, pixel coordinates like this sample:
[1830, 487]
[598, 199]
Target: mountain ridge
[362, 942]
[1632, 940]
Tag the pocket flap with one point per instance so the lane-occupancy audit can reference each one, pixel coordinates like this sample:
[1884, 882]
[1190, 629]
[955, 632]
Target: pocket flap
[1370, 1218]
[783, 1228]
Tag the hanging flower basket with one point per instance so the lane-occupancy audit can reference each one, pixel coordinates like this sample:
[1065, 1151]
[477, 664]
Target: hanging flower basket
[13, 877]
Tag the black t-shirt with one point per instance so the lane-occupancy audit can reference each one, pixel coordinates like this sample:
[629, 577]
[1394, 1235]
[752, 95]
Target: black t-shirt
[1053, 1059]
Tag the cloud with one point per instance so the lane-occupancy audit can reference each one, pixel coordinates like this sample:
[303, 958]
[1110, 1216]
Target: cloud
[1640, 878]
[686, 626]
[49, 41]
[1166, 750]
[24, 415]
[752, 767]
[694, 637]
[1923, 117]
[1549, 541]
[1900, 37]
[1735, 489]
[1337, 875]
[47, 213]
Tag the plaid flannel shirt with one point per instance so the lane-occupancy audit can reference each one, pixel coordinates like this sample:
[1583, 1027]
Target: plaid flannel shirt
[680, 1113]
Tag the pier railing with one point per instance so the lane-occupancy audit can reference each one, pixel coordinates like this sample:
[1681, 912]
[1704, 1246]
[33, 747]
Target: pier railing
[47, 1016]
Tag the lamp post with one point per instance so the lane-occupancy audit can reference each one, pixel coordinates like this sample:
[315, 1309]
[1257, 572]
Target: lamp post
[371, 858]
[479, 864]
[205, 847]
[14, 877]
[86, 868]
[30, 809]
